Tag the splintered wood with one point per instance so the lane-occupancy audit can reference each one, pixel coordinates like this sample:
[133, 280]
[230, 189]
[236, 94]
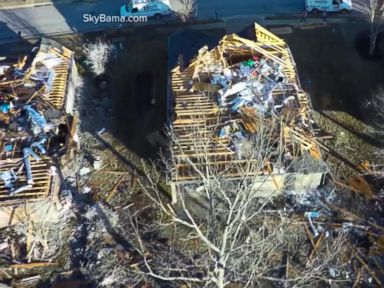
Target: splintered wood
[41, 179]
[56, 92]
[203, 125]
[34, 90]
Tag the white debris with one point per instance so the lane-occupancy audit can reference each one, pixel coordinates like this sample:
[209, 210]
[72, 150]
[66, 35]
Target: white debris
[3, 246]
[3, 69]
[108, 280]
[66, 198]
[87, 189]
[332, 272]
[101, 131]
[236, 88]
[84, 171]
[97, 162]
[53, 170]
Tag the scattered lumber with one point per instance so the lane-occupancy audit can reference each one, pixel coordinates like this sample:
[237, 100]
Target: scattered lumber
[31, 265]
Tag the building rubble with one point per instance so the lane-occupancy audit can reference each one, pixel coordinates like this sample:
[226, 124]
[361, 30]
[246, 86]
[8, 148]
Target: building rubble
[243, 90]
[36, 100]
[223, 100]
[37, 135]
[238, 91]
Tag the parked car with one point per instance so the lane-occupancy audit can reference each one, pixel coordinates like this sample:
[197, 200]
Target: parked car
[328, 5]
[141, 3]
[153, 9]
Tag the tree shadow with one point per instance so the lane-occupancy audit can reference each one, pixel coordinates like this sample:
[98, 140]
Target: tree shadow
[7, 35]
[17, 22]
[138, 75]
[371, 139]
[332, 71]
[362, 45]
[58, 18]
[33, 22]
[9, 54]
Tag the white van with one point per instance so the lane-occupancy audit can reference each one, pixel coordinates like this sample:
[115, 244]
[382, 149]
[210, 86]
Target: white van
[328, 5]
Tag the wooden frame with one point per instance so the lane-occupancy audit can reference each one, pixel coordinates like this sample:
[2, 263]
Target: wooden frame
[41, 180]
[196, 114]
[55, 98]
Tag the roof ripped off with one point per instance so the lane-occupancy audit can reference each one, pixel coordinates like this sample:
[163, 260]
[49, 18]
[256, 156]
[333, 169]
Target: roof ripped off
[33, 120]
[224, 96]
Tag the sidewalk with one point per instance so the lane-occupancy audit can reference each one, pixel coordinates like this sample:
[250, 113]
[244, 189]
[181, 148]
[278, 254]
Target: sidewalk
[280, 23]
[309, 22]
[15, 4]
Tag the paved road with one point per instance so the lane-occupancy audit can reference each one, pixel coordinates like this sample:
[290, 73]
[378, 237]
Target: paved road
[235, 8]
[63, 18]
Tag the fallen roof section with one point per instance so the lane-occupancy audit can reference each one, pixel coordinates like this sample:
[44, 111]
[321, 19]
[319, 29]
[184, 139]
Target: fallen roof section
[230, 94]
[36, 103]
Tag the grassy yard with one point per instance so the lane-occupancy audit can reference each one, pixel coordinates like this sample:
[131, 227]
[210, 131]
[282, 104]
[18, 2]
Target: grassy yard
[332, 70]
[340, 83]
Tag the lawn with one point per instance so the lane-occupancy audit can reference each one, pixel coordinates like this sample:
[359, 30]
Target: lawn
[332, 70]
[340, 82]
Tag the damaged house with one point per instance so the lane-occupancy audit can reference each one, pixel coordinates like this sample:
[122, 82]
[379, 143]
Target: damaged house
[36, 122]
[225, 97]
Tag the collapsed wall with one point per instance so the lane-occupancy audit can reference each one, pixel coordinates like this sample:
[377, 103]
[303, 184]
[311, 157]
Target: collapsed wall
[230, 98]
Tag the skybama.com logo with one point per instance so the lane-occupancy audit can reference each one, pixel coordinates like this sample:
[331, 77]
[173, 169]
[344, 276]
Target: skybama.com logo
[103, 18]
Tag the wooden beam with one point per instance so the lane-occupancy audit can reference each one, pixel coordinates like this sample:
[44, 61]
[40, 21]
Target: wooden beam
[31, 265]
[367, 268]
[310, 238]
[317, 243]
[114, 188]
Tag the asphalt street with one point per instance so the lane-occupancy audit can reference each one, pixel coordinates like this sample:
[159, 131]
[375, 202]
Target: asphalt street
[66, 18]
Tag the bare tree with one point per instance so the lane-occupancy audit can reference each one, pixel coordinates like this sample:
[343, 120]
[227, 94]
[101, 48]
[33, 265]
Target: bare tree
[97, 55]
[186, 9]
[373, 12]
[377, 103]
[239, 239]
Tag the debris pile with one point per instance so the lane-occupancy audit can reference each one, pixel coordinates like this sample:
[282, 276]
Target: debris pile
[233, 94]
[99, 251]
[32, 239]
[251, 83]
[242, 91]
[37, 134]
[224, 99]
[36, 99]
